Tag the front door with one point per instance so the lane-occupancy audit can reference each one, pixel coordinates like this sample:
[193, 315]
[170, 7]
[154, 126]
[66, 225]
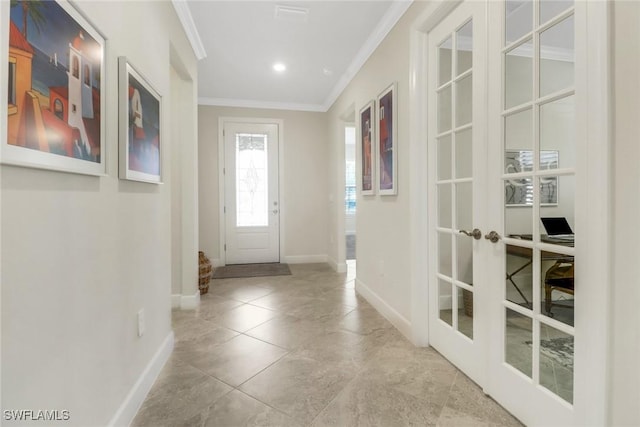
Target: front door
[252, 210]
[457, 155]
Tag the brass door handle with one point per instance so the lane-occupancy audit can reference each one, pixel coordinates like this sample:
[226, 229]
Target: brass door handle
[493, 236]
[475, 233]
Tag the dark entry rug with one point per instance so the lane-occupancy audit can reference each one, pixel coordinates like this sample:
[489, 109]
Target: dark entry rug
[251, 270]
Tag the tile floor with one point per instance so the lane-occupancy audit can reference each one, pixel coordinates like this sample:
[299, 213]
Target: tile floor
[305, 350]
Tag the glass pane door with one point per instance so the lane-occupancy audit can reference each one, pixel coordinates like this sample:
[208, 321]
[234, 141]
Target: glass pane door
[538, 180]
[454, 146]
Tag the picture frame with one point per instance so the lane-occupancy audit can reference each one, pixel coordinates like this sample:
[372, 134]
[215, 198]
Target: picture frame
[367, 149]
[54, 117]
[387, 145]
[519, 191]
[140, 126]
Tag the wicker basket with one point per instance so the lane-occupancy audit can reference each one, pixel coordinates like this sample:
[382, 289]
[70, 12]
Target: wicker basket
[467, 302]
[205, 273]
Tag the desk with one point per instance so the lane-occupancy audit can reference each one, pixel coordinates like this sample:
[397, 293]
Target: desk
[558, 277]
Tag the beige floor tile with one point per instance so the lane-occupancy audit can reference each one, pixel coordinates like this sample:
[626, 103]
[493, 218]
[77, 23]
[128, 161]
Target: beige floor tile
[467, 397]
[180, 392]
[236, 360]
[239, 410]
[245, 317]
[302, 349]
[365, 402]
[364, 320]
[451, 418]
[298, 386]
[245, 293]
[288, 331]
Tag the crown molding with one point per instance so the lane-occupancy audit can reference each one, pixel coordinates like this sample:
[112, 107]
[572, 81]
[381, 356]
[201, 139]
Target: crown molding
[248, 103]
[386, 24]
[184, 14]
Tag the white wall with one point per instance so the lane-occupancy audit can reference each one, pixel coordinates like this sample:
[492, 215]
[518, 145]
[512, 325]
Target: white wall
[625, 289]
[81, 255]
[305, 180]
[382, 223]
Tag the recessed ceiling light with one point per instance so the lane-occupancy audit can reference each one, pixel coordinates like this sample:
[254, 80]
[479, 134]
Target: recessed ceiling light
[279, 67]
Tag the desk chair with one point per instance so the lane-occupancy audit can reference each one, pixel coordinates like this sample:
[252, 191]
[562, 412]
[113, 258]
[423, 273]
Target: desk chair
[558, 278]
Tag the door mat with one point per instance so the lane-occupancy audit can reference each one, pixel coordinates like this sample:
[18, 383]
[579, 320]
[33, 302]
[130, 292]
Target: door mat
[251, 270]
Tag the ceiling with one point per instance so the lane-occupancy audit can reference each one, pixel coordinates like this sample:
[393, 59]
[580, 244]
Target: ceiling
[322, 43]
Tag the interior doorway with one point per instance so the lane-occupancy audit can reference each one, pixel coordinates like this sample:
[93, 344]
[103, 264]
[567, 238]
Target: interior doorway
[350, 192]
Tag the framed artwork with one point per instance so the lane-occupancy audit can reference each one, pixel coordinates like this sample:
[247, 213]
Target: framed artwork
[367, 131]
[140, 110]
[387, 145]
[519, 191]
[54, 113]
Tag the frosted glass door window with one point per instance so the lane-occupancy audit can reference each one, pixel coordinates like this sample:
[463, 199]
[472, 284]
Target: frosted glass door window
[252, 180]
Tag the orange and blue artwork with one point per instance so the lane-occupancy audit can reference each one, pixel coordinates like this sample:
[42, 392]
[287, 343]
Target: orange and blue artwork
[54, 88]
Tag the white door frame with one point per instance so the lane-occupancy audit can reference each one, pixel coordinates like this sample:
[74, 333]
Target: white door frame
[593, 112]
[221, 186]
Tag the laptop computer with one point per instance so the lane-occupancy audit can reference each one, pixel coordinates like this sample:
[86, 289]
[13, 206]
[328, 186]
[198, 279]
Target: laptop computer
[558, 228]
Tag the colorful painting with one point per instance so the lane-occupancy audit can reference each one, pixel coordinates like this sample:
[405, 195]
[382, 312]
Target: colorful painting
[55, 77]
[140, 113]
[367, 148]
[387, 155]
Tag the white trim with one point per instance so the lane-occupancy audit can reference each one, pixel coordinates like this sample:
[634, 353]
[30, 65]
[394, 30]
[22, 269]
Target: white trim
[593, 212]
[266, 105]
[337, 267]
[304, 259]
[221, 181]
[419, 245]
[184, 15]
[190, 302]
[175, 300]
[385, 25]
[132, 403]
[401, 323]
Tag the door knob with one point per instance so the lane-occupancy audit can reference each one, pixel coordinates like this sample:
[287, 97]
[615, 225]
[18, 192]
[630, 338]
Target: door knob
[475, 233]
[493, 236]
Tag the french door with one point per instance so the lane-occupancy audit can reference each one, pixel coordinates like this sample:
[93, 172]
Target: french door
[533, 285]
[251, 211]
[457, 153]
[507, 297]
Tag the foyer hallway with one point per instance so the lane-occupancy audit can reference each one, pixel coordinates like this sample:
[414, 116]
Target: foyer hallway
[305, 350]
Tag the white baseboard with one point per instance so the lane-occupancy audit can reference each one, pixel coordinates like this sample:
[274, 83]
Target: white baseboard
[304, 259]
[129, 408]
[217, 262]
[400, 322]
[175, 300]
[338, 268]
[190, 302]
